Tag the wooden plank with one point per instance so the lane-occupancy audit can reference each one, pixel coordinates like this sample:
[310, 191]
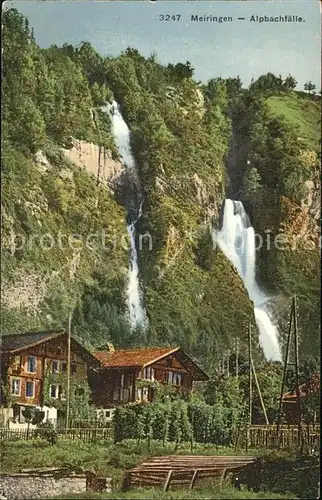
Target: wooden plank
[167, 481]
[187, 467]
[201, 457]
[224, 465]
[147, 481]
[174, 462]
[222, 476]
[184, 470]
[193, 479]
[193, 464]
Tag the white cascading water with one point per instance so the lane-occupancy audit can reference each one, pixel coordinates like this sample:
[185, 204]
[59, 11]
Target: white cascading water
[237, 241]
[121, 134]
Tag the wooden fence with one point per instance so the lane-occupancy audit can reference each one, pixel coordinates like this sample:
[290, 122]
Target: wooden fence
[85, 435]
[288, 437]
[254, 437]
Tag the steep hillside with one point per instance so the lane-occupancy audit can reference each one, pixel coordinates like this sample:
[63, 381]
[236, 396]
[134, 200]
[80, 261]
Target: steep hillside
[275, 170]
[63, 189]
[302, 111]
[55, 214]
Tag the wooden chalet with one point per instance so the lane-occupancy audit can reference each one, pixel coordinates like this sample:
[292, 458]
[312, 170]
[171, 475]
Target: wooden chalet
[26, 360]
[290, 402]
[131, 375]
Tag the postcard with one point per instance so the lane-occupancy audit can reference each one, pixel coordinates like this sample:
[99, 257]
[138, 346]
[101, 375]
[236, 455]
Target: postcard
[160, 277]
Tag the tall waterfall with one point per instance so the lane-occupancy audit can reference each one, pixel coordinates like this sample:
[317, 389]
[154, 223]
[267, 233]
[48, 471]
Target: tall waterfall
[121, 134]
[237, 241]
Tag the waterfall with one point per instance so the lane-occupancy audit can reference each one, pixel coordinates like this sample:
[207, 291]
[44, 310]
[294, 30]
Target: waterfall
[121, 134]
[237, 241]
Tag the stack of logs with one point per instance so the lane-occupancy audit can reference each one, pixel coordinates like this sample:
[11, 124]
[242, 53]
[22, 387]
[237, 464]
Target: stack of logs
[182, 470]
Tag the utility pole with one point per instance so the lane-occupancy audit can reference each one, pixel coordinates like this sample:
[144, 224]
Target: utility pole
[68, 368]
[296, 346]
[259, 393]
[250, 388]
[289, 336]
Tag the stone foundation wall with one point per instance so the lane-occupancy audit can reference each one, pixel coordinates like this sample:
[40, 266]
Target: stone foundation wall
[28, 486]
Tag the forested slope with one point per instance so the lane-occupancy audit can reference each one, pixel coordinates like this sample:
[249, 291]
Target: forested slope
[183, 134]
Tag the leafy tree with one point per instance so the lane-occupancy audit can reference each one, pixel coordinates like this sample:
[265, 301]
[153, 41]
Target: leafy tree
[181, 70]
[205, 250]
[32, 416]
[289, 83]
[251, 184]
[234, 87]
[216, 91]
[309, 86]
[47, 431]
[267, 84]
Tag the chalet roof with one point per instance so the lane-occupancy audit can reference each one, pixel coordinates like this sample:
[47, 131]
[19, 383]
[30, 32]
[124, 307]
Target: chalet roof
[141, 358]
[307, 387]
[19, 341]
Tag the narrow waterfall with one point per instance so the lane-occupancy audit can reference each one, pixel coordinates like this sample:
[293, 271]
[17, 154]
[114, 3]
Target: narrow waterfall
[121, 134]
[237, 241]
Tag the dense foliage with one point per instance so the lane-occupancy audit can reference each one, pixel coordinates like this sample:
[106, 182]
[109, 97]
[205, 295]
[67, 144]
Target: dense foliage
[49, 97]
[183, 133]
[179, 421]
[275, 173]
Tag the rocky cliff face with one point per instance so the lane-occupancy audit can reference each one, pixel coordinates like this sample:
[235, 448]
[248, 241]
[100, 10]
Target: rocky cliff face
[96, 160]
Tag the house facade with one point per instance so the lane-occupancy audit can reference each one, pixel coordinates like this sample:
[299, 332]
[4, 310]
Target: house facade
[34, 372]
[133, 375]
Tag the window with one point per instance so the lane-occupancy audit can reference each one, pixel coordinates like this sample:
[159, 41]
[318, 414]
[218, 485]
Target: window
[31, 364]
[148, 373]
[54, 391]
[174, 378]
[15, 386]
[55, 367]
[73, 369]
[30, 389]
[57, 391]
[64, 367]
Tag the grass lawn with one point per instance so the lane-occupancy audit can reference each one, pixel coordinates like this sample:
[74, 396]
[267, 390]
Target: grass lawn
[104, 458]
[301, 111]
[111, 460]
[197, 493]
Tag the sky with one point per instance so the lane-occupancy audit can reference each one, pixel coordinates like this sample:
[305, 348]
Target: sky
[215, 50]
